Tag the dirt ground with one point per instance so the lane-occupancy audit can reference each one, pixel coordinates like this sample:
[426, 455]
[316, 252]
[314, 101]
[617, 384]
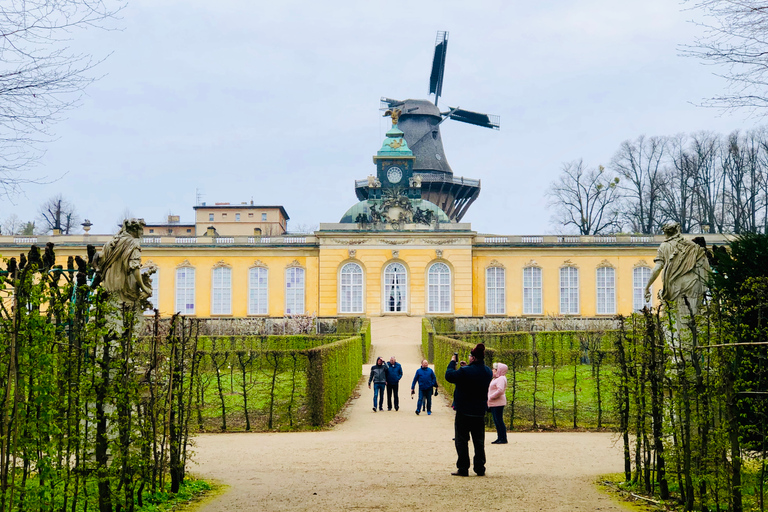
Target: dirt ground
[401, 461]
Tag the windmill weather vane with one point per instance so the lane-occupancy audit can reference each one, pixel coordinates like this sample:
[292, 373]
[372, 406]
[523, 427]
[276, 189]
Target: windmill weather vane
[420, 121]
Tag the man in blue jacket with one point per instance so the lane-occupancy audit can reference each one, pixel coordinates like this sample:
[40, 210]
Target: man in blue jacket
[427, 380]
[394, 374]
[470, 399]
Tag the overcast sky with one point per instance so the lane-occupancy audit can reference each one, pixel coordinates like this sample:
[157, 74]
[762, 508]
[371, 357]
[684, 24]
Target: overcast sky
[278, 102]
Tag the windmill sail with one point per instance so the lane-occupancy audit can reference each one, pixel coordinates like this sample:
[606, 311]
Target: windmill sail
[476, 118]
[438, 65]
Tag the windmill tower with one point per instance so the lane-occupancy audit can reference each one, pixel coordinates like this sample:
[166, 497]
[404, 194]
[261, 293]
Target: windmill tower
[420, 122]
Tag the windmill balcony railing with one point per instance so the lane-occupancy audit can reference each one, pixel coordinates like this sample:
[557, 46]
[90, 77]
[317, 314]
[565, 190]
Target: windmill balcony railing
[433, 178]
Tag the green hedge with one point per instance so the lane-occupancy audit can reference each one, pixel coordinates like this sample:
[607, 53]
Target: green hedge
[365, 336]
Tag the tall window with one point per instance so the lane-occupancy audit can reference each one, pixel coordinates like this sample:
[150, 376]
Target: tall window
[395, 287]
[606, 291]
[237, 217]
[185, 290]
[210, 217]
[494, 291]
[640, 276]
[569, 291]
[221, 291]
[155, 298]
[351, 289]
[294, 291]
[439, 288]
[263, 217]
[532, 291]
[257, 291]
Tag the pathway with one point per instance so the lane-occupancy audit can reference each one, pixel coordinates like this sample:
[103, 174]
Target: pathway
[401, 461]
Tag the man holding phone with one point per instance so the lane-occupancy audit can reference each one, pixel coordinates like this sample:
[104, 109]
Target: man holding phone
[470, 399]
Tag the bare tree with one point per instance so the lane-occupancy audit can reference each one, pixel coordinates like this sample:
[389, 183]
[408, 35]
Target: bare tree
[302, 229]
[585, 199]
[12, 225]
[736, 40]
[59, 213]
[677, 190]
[40, 76]
[641, 164]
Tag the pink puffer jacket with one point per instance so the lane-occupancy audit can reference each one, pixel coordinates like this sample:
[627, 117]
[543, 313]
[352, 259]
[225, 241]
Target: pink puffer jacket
[497, 395]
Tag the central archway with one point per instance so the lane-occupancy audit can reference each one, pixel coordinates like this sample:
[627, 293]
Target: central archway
[395, 295]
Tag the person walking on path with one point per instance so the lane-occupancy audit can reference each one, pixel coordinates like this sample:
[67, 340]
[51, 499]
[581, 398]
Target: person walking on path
[379, 377]
[470, 401]
[394, 374]
[427, 380]
[497, 399]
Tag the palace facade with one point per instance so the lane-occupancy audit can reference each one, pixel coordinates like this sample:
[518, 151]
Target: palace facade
[401, 250]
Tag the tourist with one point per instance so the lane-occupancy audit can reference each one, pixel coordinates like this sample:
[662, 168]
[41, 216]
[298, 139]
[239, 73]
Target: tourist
[470, 401]
[394, 374]
[497, 399]
[427, 380]
[379, 378]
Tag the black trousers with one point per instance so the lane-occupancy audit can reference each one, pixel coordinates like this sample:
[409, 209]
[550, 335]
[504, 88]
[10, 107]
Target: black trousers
[393, 388]
[466, 427]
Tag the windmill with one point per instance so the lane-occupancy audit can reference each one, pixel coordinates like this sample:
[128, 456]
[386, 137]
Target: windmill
[420, 122]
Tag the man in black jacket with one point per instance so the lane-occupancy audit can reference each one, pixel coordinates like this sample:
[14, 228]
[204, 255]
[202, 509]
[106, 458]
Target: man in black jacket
[470, 400]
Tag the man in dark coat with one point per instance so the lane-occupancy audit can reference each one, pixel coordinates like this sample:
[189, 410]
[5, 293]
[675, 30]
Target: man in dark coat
[470, 399]
[394, 374]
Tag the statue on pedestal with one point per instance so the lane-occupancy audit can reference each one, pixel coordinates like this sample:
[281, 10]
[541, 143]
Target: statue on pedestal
[119, 264]
[686, 271]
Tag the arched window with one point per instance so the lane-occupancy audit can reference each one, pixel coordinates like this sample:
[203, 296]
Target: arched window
[294, 291]
[439, 288]
[257, 291]
[395, 288]
[495, 282]
[221, 291]
[640, 276]
[532, 304]
[185, 290]
[351, 289]
[606, 291]
[569, 291]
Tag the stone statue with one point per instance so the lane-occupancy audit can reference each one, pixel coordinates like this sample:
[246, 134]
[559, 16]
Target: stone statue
[119, 263]
[686, 270]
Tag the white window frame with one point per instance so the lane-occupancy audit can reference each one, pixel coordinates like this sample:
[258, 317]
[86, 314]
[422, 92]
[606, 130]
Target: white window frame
[263, 217]
[640, 276]
[533, 297]
[295, 285]
[351, 288]
[185, 290]
[258, 295]
[395, 286]
[210, 217]
[569, 291]
[495, 291]
[221, 290]
[605, 281]
[439, 288]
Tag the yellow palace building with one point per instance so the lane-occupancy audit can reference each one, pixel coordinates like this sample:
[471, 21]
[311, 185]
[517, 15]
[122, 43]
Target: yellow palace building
[401, 250]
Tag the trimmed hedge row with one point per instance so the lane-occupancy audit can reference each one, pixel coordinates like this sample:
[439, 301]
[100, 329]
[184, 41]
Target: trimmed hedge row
[553, 376]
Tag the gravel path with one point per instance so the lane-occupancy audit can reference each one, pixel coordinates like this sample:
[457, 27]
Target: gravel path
[401, 461]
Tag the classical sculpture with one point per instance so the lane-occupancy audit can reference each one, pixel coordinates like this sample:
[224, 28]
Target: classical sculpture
[119, 263]
[686, 270]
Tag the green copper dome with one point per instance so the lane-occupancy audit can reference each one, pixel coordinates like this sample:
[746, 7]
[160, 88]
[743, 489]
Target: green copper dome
[395, 144]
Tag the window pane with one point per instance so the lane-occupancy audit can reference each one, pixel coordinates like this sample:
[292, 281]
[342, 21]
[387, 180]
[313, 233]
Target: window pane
[640, 276]
[532, 296]
[185, 290]
[439, 288]
[221, 291]
[606, 291]
[351, 289]
[569, 291]
[257, 291]
[494, 290]
[294, 291]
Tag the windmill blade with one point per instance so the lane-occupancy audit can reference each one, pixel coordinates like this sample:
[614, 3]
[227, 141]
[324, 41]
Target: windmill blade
[387, 103]
[438, 65]
[476, 118]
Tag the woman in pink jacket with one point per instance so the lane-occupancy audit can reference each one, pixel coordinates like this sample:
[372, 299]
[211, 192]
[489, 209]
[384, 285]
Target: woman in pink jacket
[497, 399]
